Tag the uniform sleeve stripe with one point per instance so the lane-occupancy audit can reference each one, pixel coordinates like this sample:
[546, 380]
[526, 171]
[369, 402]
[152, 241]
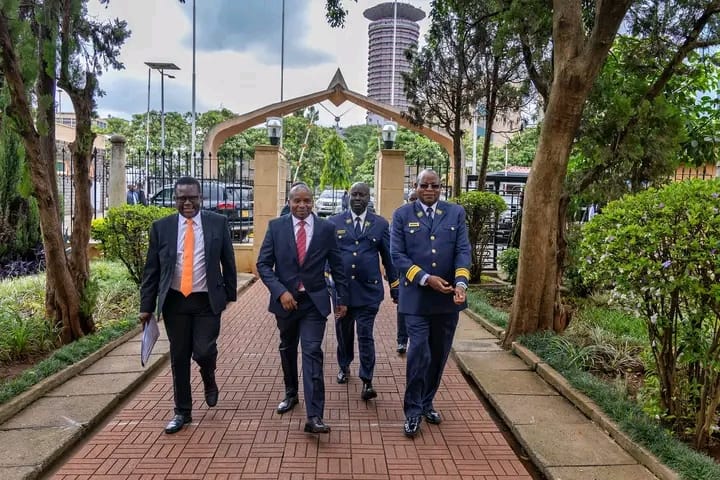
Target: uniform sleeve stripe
[462, 272]
[412, 271]
[394, 284]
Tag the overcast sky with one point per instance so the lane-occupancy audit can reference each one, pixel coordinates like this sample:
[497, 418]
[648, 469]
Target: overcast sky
[238, 54]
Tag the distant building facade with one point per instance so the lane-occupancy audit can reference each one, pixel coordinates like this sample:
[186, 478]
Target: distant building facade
[380, 52]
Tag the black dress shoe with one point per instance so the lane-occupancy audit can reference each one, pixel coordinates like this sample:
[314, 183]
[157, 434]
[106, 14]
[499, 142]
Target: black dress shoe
[287, 404]
[412, 426]
[432, 416]
[402, 348]
[316, 425]
[342, 376]
[368, 392]
[211, 393]
[177, 423]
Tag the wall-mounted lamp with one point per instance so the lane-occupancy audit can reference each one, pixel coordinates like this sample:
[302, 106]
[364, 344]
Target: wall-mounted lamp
[274, 127]
[389, 132]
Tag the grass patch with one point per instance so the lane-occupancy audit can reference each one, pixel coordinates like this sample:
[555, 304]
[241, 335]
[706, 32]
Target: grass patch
[477, 301]
[65, 356]
[618, 323]
[112, 298]
[629, 416]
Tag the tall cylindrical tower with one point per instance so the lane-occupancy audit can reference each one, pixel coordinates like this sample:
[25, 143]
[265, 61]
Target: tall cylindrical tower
[381, 32]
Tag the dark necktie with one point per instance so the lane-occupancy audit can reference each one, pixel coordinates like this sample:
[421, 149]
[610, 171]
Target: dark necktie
[429, 211]
[358, 227]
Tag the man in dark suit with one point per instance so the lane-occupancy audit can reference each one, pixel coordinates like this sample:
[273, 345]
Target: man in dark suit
[132, 197]
[190, 273]
[362, 236]
[291, 263]
[430, 249]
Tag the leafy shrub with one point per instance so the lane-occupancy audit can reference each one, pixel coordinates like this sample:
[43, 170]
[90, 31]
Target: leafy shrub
[24, 331]
[658, 252]
[482, 210]
[508, 260]
[571, 274]
[124, 235]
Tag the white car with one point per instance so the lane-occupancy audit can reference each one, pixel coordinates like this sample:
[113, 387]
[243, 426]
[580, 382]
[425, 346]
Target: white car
[329, 203]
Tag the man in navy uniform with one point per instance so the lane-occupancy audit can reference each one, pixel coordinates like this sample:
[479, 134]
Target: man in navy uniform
[402, 337]
[431, 251]
[291, 263]
[362, 235]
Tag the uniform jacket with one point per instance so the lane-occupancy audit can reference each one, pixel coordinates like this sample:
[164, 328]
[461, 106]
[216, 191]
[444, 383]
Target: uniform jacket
[360, 257]
[418, 249]
[160, 264]
[280, 271]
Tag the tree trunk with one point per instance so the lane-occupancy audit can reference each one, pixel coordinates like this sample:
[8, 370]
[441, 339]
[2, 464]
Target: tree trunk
[578, 58]
[536, 290]
[490, 114]
[81, 151]
[62, 299]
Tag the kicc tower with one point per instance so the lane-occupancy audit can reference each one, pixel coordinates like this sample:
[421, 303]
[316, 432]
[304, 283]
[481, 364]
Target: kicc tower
[391, 23]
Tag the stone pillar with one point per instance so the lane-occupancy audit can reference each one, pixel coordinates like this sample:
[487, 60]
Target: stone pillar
[117, 182]
[269, 191]
[389, 182]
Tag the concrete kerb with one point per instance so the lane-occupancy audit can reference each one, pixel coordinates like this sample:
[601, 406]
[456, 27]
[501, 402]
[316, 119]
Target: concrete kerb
[18, 403]
[583, 403]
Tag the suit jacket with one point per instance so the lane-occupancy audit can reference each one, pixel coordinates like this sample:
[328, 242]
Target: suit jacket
[160, 265]
[419, 248]
[280, 271]
[130, 197]
[360, 257]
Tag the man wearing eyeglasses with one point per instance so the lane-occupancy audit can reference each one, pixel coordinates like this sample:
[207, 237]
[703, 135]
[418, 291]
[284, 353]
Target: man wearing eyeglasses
[190, 273]
[430, 249]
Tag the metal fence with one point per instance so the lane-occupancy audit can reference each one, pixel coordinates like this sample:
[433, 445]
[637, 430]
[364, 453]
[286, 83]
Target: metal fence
[227, 184]
[442, 167]
[99, 168]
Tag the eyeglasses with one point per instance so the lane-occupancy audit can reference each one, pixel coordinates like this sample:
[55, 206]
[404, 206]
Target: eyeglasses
[433, 186]
[191, 199]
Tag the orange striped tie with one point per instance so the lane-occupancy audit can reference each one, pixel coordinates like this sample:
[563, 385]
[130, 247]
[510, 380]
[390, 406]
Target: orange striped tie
[186, 281]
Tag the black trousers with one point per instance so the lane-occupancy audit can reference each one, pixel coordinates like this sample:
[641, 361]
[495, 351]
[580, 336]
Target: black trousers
[307, 327]
[192, 329]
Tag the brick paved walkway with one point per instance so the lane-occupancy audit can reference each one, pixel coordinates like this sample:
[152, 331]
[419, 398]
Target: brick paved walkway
[243, 437]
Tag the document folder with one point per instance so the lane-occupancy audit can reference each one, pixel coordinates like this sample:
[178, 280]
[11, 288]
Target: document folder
[151, 332]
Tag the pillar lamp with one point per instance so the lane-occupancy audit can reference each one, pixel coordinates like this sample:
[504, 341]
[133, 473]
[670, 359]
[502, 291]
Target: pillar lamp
[389, 132]
[274, 127]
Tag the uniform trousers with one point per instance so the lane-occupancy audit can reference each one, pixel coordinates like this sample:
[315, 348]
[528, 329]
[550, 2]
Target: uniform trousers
[431, 338]
[364, 319]
[305, 326]
[192, 329]
[402, 336]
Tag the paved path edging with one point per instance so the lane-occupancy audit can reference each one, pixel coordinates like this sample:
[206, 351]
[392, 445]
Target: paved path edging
[19, 402]
[586, 405]
[582, 402]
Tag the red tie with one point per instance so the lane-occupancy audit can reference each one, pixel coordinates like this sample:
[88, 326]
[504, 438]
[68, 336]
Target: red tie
[301, 240]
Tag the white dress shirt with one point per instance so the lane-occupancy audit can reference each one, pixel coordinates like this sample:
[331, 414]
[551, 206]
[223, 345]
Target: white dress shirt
[199, 273]
[362, 219]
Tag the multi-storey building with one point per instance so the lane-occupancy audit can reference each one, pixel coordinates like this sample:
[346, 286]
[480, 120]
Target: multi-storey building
[383, 32]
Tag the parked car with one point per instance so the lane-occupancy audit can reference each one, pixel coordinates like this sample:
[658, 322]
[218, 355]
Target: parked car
[329, 203]
[233, 200]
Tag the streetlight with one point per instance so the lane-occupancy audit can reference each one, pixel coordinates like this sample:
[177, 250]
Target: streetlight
[274, 127]
[160, 67]
[389, 132]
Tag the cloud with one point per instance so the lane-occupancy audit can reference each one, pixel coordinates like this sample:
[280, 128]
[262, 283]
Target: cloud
[125, 96]
[254, 26]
